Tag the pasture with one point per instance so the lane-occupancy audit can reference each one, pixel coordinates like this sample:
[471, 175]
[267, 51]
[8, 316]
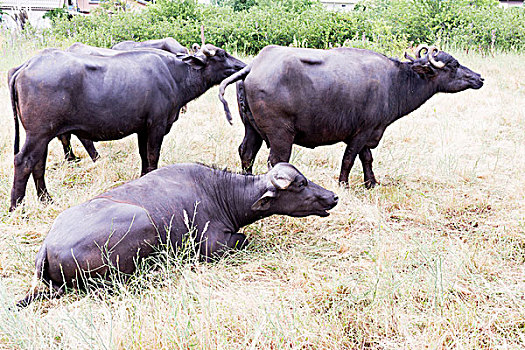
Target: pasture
[433, 258]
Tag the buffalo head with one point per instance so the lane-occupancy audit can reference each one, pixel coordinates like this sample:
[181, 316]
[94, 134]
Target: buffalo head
[290, 193]
[216, 62]
[444, 70]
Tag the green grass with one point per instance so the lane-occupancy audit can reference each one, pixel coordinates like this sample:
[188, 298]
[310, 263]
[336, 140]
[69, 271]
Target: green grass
[432, 258]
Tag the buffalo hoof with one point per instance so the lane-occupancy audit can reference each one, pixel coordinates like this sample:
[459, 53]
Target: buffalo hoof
[371, 184]
[45, 198]
[344, 184]
[95, 157]
[73, 159]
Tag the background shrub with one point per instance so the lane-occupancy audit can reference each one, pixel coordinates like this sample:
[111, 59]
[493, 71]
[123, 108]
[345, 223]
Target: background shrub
[246, 26]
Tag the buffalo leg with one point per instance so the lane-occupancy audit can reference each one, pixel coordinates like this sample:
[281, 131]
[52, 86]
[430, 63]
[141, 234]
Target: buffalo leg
[366, 160]
[155, 137]
[353, 147]
[65, 139]
[33, 151]
[90, 148]
[280, 146]
[143, 151]
[249, 147]
[38, 176]
[224, 245]
[237, 241]
[347, 164]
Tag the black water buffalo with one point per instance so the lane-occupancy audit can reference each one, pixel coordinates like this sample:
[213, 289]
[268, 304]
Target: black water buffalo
[180, 202]
[65, 139]
[105, 98]
[321, 97]
[166, 44]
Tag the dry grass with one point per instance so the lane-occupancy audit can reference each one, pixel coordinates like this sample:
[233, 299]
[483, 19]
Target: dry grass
[433, 258]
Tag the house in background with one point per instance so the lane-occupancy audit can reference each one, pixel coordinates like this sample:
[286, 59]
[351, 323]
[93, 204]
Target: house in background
[510, 3]
[347, 5]
[86, 6]
[339, 5]
[33, 9]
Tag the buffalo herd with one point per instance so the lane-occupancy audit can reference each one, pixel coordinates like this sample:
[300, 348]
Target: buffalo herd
[285, 95]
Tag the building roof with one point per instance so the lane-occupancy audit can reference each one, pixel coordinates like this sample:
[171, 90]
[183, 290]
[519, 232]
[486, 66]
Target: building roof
[32, 4]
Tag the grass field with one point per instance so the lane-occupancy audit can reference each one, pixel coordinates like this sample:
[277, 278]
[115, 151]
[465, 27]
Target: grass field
[433, 258]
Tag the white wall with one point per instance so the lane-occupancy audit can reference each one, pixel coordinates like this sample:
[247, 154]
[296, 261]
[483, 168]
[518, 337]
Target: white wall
[339, 5]
[35, 18]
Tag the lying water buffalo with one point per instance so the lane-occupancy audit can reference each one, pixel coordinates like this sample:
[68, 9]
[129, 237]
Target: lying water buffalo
[105, 98]
[321, 97]
[122, 226]
[166, 44]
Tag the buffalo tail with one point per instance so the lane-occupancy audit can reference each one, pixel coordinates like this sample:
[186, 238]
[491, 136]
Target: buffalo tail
[41, 274]
[231, 79]
[11, 77]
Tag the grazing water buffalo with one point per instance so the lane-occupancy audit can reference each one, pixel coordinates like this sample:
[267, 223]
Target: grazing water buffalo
[122, 226]
[105, 98]
[321, 97]
[166, 44]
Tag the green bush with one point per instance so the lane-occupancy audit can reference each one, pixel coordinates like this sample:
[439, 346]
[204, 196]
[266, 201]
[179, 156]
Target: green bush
[246, 26]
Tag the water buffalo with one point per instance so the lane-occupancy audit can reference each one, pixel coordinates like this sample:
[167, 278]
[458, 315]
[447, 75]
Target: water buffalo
[124, 225]
[65, 139]
[166, 44]
[105, 98]
[321, 97]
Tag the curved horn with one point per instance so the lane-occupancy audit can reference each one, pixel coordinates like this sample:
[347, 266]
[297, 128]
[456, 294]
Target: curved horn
[280, 181]
[419, 49]
[208, 52]
[432, 52]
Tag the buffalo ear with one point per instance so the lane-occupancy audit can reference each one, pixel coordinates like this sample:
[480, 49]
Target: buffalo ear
[424, 70]
[195, 62]
[263, 203]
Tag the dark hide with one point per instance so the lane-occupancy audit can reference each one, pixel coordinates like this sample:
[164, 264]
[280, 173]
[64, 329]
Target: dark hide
[106, 98]
[91, 50]
[320, 97]
[65, 139]
[166, 44]
[191, 201]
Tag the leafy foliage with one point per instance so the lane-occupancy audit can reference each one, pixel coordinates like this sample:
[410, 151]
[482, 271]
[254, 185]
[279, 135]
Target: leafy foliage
[60, 12]
[248, 25]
